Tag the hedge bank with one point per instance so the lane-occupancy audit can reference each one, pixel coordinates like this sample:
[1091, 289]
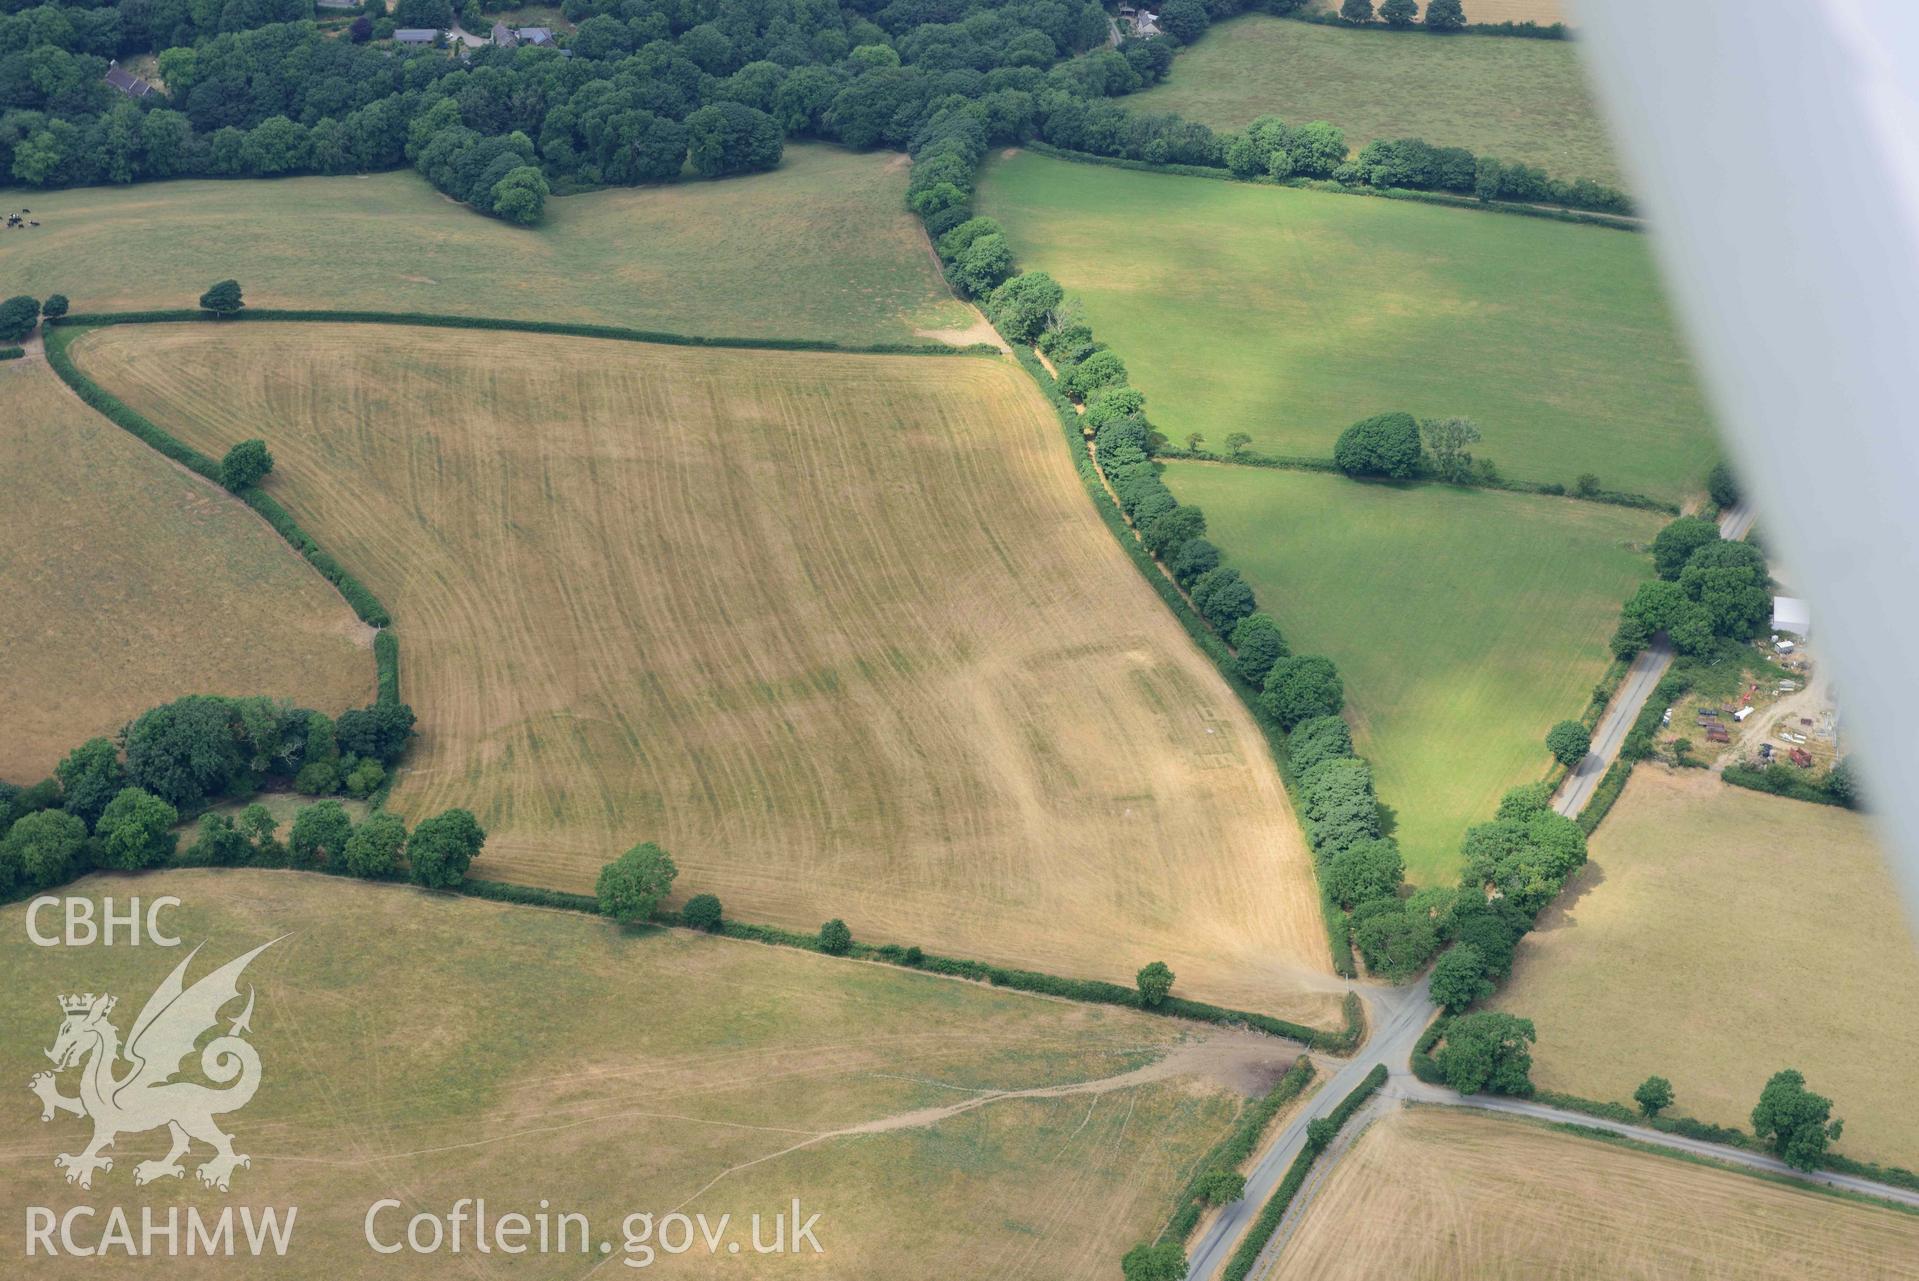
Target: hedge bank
[1223, 174]
[435, 320]
[122, 415]
[1236, 1147]
[1276, 1206]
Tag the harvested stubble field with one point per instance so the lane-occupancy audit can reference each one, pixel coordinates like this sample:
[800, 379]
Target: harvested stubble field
[1465, 622]
[1290, 315]
[1516, 99]
[427, 1048]
[1720, 935]
[130, 581]
[1431, 1193]
[840, 632]
[821, 248]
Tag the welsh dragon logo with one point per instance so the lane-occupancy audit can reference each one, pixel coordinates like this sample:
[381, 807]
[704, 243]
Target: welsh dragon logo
[145, 1096]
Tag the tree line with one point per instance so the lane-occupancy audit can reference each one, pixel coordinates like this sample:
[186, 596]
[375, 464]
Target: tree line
[111, 802]
[1360, 868]
[646, 91]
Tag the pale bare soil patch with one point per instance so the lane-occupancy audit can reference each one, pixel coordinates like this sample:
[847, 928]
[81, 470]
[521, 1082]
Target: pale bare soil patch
[428, 1048]
[1441, 1193]
[840, 632]
[128, 581]
[1717, 936]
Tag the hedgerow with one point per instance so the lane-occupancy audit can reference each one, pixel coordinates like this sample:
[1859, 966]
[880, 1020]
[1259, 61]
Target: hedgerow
[570, 329]
[1276, 1206]
[356, 594]
[1236, 1147]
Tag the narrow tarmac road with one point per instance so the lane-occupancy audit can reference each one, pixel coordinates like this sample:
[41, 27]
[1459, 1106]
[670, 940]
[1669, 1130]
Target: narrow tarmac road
[1397, 1016]
[1641, 679]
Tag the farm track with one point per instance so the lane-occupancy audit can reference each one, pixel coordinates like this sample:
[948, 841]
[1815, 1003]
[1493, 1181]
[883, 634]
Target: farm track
[835, 630]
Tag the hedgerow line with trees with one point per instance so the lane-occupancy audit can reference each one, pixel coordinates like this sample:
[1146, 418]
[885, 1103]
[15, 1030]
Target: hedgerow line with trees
[643, 93]
[1300, 697]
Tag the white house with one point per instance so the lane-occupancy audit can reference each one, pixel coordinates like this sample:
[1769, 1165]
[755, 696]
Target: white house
[1790, 614]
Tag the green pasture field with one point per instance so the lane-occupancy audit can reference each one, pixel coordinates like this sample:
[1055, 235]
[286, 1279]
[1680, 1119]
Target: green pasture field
[1290, 314]
[1464, 622]
[821, 248]
[425, 1048]
[1515, 99]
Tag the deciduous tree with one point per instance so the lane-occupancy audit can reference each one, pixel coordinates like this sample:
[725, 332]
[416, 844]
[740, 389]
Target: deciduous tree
[1569, 741]
[443, 847]
[1795, 1120]
[1654, 1095]
[136, 831]
[373, 851]
[631, 887]
[1450, 441]
[1257, 644]
[1487, 1051]
[40, 849]
[1302, 686]
[320, 833]
[245, 465]
[702, 912]
[1155, 984]
[90, 776]
[223, 299]
[18, 316]
[1459, 978]
[1383, 445]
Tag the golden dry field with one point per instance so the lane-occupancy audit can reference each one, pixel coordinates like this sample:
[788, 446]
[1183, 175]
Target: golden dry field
[840, 632]
[1717, 936]
[425, 1048]
[1432, 1194]
[129, 581]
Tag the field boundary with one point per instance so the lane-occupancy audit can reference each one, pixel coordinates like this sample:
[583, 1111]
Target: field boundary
[1338, 930]
[1304, 462]
[359, 598]
[1527, 30]
[1230, 1151]
[1090, 991]
[569, 329]
[1729, 1135]
[1555, 213]
[1257, 1236]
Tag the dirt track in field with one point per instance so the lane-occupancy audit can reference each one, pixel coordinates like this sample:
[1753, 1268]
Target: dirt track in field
[840, 632]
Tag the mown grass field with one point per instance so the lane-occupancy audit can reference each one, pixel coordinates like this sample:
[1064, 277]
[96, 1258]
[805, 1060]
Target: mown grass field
[1291, 314]
[1718, 936]
[1516, 99]
[1464, 622]
[427, 1048]
[821, 248]
[840, 632]
[1435, 1192]
[129, 581]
